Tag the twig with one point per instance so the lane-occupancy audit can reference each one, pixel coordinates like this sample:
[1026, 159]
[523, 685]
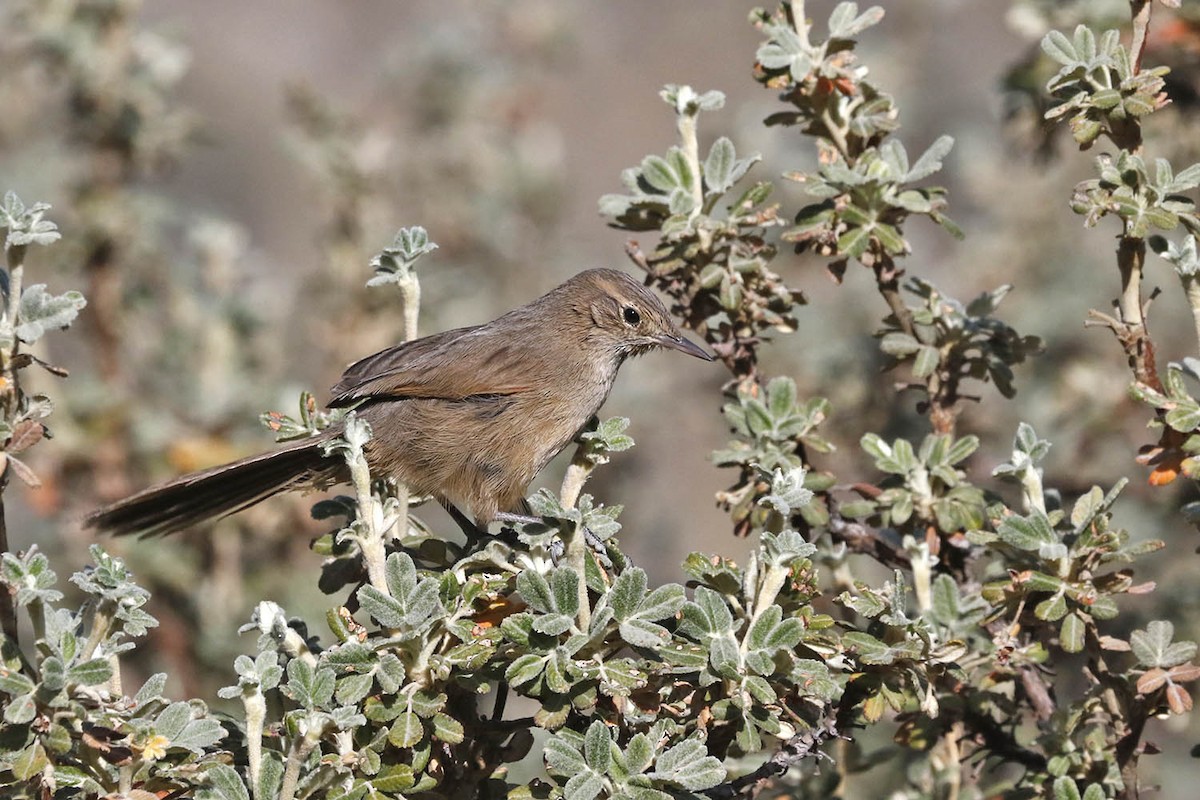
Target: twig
[686, 124]
[1131, 257]
[10, 395]
[410, 291]
[794, 750]
[859, 538]
[799, 21]
[370, 515]
[1002, 743]
[1141, 28]
[8, 608]
[576, 541]
[298, 753]
[1137, 344]
[256, 713]
[1191, 287]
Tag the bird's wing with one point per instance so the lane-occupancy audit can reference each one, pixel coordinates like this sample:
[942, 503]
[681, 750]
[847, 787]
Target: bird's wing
[450, 365]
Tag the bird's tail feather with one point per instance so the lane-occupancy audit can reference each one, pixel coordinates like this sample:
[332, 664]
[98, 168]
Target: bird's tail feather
[216, 492]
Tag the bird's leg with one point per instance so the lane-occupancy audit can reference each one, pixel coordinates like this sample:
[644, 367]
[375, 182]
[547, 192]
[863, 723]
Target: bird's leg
[509, 533]
[519, 519]
[472, 531]
[592, 540]
[475, 533]
[501, 700]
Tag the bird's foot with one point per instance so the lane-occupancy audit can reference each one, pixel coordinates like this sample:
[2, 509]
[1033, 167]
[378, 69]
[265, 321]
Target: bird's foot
[518, 519]
[557, 547]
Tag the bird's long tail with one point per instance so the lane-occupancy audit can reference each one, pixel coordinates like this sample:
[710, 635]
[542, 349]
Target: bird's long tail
[216, 492]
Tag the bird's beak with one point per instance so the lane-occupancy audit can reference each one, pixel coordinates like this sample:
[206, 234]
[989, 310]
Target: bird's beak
[683, 345]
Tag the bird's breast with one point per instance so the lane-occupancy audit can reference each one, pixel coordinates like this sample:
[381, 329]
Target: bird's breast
[481, 452]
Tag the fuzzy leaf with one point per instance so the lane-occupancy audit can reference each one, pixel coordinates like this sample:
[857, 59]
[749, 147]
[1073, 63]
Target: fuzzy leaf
[41, 312]
[1153, 646]
[689, 766]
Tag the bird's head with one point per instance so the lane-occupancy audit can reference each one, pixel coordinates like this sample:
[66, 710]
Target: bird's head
[624, 315]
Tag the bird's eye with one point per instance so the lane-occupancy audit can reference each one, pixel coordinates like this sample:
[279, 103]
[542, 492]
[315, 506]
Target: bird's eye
[631, 315]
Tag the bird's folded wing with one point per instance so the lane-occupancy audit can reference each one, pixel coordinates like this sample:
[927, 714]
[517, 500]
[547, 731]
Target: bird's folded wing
[450, 365]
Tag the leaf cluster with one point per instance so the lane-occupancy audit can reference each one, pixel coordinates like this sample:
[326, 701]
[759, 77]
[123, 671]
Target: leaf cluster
[712, 256]
[950, 342]
[62, 723]
[1098, 86]
[924, 486]
[866, 201]
[1142, 201]
[823, 81]
[774, 430]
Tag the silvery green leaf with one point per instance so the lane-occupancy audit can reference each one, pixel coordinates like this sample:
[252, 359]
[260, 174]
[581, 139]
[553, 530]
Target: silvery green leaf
[354, 687]
[641, 633]
[564, 583]
[1056, 45]
[960, 449]
[689, 766]
[447, 729]
[394, 263]
[544, 503]
[41, 312]
[1071, 633]
[845, 21]
[224, 783]
[583, 786]
[1153, 646]
[25, 226]
[14, 683]
[562, 757]
[597, 747]
[893, 156]
[718, 167]
[931, 160]
[662, 603]
[614, 205]
[659, 175]
[782, 50]
[151, 690]
[787, 491]
[681, 202]
[525, 668]
[1027, 533]
[535, 589]
[897, 343]
[1186, 179]
[711, 100]
[177, 724]
[627, 592]
[90, 673]
[785, 547]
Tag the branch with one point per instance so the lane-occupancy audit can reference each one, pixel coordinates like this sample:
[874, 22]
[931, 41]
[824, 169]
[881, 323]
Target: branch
[860, 538]
[1001, 742]
[10, 399]
[1135, 341]
[793, 751]
[1140, 12]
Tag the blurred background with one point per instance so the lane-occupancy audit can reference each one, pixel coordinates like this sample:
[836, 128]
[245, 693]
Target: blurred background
[223, 172]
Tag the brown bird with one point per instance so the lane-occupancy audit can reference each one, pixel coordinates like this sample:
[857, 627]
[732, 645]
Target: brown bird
[468, 415]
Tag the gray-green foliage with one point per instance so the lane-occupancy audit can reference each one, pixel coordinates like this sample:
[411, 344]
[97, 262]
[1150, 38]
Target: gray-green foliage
[1100, 89]
[394, 263]
[26, 225]
[64, 725]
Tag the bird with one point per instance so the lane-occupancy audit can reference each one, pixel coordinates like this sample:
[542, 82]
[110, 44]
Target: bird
[469, 416]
